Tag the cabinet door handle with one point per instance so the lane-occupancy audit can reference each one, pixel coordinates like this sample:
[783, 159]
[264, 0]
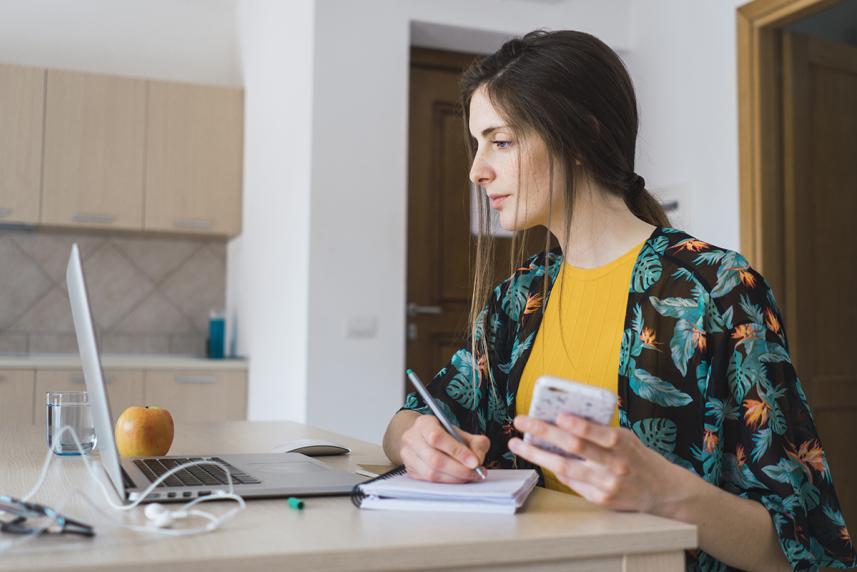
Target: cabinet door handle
[195, 379]
[4, 212]
[78, 380]
[198, 223]
[93, 218]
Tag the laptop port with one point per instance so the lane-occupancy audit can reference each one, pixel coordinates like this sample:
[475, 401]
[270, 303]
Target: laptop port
[171, 495]
[187, 494]
[203, 493]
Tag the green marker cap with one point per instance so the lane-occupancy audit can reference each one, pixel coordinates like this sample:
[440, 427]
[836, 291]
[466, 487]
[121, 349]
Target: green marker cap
[296, 503]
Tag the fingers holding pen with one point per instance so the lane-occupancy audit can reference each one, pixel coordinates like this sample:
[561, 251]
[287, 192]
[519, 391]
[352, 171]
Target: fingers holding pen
[440, 440]
[430, 453]
[423, 470]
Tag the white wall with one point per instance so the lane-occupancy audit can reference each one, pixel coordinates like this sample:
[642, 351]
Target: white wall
[357, 246]
[268, 264]
[180, 40]
[683, 64]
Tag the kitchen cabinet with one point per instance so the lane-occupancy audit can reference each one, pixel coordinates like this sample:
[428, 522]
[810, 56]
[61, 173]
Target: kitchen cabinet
[94, 151]
[22, 96]
[124, 388]
[198, 395]
[97, 151]
[194, 159]
[16, 397]
[192, 389]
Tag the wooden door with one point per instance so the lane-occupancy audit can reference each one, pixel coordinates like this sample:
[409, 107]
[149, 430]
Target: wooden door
[820, 144]
[439, 194]
[22, 107]
[194, 158]
[94, 137]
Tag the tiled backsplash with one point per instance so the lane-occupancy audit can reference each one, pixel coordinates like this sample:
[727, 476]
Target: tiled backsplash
[148, 294]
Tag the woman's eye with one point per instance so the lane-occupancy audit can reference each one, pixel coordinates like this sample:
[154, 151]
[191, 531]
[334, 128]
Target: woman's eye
[502, 144]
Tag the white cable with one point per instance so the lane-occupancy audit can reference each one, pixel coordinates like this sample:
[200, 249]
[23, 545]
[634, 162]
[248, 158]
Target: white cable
[183, 512]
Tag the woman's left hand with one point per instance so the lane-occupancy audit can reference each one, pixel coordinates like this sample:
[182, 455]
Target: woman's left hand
[616, 470]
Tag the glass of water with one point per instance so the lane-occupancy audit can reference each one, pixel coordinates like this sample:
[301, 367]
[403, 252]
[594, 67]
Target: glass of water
[69, 408]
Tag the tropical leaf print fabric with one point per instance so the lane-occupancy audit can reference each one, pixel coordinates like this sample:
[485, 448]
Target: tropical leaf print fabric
[705, 379]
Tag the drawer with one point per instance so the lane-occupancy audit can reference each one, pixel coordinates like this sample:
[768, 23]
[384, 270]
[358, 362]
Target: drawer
[124, 388]
[198, 395]
[16, 397]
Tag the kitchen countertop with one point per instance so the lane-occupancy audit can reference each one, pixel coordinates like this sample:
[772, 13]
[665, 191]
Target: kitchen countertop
[121, 361]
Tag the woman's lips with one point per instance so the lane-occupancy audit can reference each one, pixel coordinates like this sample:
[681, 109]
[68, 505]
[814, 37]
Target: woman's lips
[497, 201]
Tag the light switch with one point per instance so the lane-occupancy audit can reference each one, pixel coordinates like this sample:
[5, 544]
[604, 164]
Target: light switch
[361, 327]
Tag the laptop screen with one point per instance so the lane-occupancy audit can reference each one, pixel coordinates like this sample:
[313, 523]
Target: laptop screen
[92, 373]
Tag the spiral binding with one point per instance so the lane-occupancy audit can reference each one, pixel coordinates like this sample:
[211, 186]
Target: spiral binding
[357, 494]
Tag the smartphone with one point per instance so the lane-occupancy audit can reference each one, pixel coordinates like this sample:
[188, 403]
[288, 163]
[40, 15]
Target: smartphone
[553, 396]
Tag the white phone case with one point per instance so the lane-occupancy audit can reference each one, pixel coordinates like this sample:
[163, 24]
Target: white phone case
[553, 396]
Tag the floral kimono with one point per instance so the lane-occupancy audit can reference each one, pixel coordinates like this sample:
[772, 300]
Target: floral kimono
[705, 379]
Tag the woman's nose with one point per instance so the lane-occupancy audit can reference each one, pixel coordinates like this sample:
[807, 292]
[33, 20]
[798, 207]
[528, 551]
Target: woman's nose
[480, 172]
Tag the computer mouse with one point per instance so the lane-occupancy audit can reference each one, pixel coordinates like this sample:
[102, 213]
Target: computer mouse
[312, 448]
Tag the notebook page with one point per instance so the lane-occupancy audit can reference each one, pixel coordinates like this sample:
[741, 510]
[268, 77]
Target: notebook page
[502, 484]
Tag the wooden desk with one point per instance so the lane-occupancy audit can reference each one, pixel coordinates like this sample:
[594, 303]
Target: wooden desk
[554, 532]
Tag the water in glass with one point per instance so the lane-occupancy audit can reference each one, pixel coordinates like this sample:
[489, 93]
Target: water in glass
[69, 408]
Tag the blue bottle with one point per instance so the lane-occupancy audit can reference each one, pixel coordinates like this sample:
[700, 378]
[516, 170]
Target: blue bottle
[216, 335]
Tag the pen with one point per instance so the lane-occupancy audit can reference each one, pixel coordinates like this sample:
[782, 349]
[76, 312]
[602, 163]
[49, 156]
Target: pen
[450, 428]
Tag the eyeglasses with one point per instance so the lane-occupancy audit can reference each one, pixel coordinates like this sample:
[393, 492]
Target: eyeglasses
[19, 517]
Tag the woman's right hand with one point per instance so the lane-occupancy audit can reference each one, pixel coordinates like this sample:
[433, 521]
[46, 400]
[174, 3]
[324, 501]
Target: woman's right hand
[429, 453]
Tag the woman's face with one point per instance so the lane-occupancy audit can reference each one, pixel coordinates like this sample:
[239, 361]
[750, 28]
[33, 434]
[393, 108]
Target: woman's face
[502, 156]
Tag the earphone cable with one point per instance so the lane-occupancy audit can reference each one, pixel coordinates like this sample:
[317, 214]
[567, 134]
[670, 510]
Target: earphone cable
[214, 521]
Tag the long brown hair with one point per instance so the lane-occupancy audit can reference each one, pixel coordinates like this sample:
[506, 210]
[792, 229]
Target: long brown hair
[573, 92]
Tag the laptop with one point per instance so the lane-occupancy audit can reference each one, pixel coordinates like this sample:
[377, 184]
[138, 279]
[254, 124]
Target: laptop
[254, 475]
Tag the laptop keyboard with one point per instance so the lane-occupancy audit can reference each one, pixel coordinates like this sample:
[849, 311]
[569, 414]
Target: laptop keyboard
[195, 476]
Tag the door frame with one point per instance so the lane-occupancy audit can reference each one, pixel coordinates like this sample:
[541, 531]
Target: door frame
[760, 133]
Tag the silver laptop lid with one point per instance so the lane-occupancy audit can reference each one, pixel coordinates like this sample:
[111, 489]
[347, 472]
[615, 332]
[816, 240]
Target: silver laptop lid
[91, 363]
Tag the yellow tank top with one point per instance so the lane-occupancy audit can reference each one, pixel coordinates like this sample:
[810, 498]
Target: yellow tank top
[590, 305]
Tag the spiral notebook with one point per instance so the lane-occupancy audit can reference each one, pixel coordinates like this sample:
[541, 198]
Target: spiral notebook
[504, 492]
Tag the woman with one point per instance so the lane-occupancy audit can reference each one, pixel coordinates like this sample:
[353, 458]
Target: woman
[712, 420]
[713, 427]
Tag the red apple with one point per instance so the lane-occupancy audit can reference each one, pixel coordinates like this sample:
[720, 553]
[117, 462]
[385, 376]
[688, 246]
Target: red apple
[144, 432]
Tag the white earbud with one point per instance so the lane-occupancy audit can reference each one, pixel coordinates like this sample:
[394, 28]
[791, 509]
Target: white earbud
[153, 510]
[163, 520]
[160, 517]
